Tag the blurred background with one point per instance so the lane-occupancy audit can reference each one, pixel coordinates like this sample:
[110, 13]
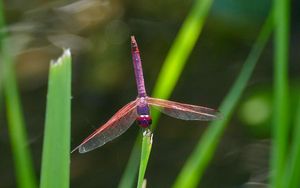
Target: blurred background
[98, 33]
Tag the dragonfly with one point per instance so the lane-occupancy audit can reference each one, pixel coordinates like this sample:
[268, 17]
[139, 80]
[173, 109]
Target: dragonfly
[139, 111]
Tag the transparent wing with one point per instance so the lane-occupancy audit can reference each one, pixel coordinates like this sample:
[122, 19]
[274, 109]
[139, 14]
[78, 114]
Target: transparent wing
[184, 111]
[113, 128]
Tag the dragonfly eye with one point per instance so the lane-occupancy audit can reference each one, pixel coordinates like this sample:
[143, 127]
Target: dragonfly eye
[144, 121]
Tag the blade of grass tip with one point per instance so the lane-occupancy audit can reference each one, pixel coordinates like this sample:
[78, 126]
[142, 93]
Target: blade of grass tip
[280, 118]
[56, 146]
[292, 174]
[174, 64]
[192, 171]
[145, 153]
[23, 163]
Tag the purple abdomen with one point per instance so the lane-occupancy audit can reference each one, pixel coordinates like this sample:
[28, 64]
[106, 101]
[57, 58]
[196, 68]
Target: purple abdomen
[144, 121]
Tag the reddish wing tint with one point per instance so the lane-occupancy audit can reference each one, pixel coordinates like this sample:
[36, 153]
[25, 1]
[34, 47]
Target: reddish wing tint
[183, 111]
[116, 126]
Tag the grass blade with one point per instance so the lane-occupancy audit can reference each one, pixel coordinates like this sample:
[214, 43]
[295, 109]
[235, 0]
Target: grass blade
[2, 37]
[131, 168]
[181, 49]
[16, 126]
[292, 175]
[191, 174]
[174, 65]
[146, 149]
[2, 25]
[23, 163]
[56, 147]
[280, 119]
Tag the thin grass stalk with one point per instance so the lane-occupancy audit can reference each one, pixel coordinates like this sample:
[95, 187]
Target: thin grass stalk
[25, 175]
[173, 66]
[20, 148]
[55, 170]
[292, 174]
[2, 37]
[181, 49]
[145, 153]
[2, 25]
[193, 170]
[281, 109]
[131, 168]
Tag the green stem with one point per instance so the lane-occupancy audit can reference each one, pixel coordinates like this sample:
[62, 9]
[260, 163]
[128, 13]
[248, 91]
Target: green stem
[192, 172]
[146, 149]
[132, 165]
[281, 117]
[18, 137]
[292, 175]
[21, 153]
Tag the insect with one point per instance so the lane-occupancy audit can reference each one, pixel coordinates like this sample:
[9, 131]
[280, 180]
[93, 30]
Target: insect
[138, 110]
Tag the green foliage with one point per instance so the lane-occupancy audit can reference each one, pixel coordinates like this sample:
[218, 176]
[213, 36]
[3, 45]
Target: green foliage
[281, 109]
[2, 25]
[23, 163]
[145, 153]
[194, 168]
[292, 173]
[18, 137]
[56, 147]
[181, 49]
[131, 168]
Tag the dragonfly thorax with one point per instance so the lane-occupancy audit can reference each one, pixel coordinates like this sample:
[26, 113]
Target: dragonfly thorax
[144, 120]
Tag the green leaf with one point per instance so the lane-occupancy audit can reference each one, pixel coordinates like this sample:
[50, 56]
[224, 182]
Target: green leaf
[20, 148]
[131, 168]
[193, 170]
[16, 126]
[2, 25]
[181, 49]
[292, 175]
[281, 109]
[56, 146]
[2, 38]
[146, 149]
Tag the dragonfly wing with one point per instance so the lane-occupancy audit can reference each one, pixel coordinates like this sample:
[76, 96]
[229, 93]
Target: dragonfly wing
[184, 111]
[113, 128]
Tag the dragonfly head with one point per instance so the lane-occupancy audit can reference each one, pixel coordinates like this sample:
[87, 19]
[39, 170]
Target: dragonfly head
[144, 120]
